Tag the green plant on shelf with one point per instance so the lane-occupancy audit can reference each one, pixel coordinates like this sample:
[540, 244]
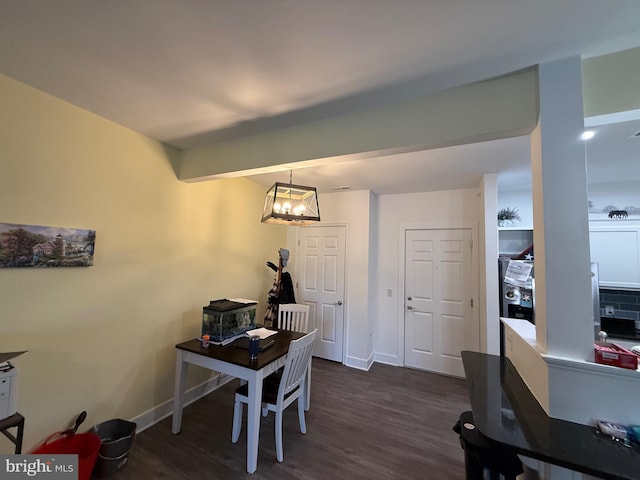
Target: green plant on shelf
[506, 216]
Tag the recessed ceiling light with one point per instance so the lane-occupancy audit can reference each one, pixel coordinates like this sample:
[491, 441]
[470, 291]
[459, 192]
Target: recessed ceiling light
[587, 134]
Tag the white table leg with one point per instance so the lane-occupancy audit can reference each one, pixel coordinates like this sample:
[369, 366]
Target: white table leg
[178, 393]
[253, 421]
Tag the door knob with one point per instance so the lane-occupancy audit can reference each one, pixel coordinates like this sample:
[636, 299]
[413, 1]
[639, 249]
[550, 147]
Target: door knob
[339, 302]
[409, 307]
[409, 298]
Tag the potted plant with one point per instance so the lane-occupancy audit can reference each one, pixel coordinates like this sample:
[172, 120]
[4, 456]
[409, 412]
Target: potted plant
[506, 216]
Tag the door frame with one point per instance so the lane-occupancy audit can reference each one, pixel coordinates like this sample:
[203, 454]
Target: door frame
[475, 272]
[346, 304]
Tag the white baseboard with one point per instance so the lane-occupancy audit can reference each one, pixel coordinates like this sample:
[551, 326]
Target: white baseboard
[386, 359]
[165, 409]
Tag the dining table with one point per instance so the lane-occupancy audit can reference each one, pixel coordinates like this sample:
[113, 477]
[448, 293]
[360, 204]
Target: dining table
[233, 361]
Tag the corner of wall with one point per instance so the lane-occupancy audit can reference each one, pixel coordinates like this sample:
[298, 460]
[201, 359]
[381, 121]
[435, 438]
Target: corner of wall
[359, 363]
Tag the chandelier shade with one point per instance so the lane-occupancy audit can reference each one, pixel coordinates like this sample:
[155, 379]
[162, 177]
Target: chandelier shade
[288, 204]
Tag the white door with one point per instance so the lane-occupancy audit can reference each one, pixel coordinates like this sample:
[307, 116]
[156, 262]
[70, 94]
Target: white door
[439, 321]
[321, 254]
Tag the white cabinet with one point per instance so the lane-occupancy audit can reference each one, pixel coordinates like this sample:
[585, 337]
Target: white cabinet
[616, 249]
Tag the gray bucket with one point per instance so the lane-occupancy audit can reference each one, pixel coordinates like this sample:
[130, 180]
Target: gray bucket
[117, 438]
[107, 466]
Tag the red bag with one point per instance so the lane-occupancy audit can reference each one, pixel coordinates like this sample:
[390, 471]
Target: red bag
[85, 445]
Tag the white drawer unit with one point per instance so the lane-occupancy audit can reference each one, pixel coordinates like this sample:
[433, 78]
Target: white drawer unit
[8, 391]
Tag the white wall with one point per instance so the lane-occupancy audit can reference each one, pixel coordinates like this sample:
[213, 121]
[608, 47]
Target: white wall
[520, 199]
[441, 209]
[489, 293]
[561, 233]
[353, 209]
[622, 194]
[373, 254]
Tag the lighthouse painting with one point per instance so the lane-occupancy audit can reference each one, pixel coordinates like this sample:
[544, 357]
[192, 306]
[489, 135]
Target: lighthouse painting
[40, 246]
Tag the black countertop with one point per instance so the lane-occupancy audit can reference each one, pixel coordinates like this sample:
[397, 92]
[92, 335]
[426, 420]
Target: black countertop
[505, 411]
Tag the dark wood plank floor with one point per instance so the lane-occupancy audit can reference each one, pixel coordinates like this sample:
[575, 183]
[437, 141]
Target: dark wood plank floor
[384, 424]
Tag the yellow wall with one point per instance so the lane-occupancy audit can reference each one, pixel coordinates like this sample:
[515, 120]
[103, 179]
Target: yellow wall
[610, 83]
[102, 338]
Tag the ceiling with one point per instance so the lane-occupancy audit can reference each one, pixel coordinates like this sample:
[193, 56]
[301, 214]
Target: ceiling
[193, 72]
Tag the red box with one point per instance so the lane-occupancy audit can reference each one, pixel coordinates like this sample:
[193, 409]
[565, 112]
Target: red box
[615, 355]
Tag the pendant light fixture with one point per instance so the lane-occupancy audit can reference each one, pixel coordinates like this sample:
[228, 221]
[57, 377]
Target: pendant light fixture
[288, 204]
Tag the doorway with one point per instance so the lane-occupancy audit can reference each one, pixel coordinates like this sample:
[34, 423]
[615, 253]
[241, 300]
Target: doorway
[439, 319]
[321, 254]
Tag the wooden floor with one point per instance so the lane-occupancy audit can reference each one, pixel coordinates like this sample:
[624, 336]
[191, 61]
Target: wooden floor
[387, 423]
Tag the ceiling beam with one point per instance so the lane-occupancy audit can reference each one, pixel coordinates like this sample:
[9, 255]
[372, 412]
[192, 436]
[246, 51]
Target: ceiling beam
[498, 108]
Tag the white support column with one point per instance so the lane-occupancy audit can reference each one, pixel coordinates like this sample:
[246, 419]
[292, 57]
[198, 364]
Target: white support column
[490, 314]
[561, 228]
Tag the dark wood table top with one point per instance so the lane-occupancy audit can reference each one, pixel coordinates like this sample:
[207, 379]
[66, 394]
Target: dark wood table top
[240, 356]
[11, 421]
[505, 411]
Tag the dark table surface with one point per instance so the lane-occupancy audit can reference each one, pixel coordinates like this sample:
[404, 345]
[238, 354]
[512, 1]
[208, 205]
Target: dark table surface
[240, 356]
[505, 411]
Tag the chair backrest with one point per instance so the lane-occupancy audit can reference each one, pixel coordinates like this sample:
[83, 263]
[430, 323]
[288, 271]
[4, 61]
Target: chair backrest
[293, 316]
[298, 358]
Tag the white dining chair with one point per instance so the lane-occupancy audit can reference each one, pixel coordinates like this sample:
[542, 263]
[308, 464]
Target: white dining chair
[278, 392]
[293, 316]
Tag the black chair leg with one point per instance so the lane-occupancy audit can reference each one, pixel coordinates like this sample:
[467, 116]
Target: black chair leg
[482, 455]
[473, 470]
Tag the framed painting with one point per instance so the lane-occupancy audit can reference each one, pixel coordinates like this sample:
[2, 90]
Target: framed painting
[40, 246]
